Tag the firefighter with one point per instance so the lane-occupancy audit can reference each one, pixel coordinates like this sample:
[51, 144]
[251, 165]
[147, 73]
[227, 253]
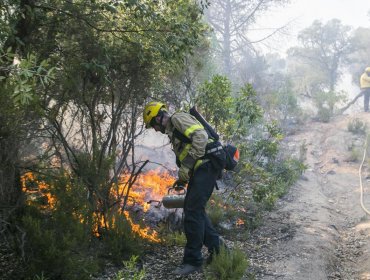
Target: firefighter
[198, 172]
[365, 87]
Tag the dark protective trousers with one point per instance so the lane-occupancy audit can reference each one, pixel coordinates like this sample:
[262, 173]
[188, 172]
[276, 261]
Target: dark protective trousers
[198, 228]
[366, 92]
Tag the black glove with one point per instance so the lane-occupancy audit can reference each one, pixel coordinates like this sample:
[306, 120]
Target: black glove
[179, 185]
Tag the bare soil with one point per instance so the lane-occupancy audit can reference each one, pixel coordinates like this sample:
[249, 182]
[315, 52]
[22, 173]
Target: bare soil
[319, 230]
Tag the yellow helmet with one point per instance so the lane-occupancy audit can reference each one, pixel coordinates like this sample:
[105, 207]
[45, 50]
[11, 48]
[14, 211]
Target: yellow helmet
[151, 111]
[367, 70]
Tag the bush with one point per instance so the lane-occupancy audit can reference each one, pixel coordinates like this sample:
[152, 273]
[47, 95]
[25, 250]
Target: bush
[56, 247]
[227, 265]
[119, 240]
[172, 238]
[63, 239]
[219, 211]
[130, 270]
[355, 154]
[324, 114]
[325, 103]
[279, 178]
[357, 126]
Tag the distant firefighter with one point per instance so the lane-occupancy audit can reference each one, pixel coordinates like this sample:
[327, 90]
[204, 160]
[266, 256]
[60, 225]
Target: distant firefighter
[365, 88]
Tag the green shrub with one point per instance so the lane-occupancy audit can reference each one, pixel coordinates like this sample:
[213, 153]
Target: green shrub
[171, 238]
[130, 270]
[120, 241]
[215, 213]
[354, 154]
[325, 103]
[278, 180]
[61, 240]
[219, 211]
[356, 126]
[324, 114]
[40, 277]
[55, 248]
[227, 265]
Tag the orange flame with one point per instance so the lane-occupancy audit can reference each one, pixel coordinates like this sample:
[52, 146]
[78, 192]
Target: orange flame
[36, 189]
[239, 222]
[142, 232]
[152, 185]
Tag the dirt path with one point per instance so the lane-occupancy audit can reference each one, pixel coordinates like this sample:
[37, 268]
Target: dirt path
[319, 230]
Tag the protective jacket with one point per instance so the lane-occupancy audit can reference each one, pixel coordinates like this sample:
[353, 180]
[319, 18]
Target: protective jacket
[187, 154]
[364, 81]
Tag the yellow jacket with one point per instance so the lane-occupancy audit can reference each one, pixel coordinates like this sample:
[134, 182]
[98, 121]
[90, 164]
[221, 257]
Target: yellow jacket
[187, 154]
[364, 81]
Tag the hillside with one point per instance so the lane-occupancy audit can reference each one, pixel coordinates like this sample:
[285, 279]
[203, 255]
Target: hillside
[319, 230]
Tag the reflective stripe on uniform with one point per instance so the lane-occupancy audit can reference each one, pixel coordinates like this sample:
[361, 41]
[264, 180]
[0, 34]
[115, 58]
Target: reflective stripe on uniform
[198, 163]
[191, 129]
[184, 152]
[214, 150]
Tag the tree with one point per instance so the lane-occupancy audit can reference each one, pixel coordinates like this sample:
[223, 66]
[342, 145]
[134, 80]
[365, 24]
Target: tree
[231, 20]
[20, 75]
[105, 67]
[359, 57]
[321, 55]
[214, 99]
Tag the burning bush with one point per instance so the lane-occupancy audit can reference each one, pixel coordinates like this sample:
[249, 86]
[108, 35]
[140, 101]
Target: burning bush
[62, 226]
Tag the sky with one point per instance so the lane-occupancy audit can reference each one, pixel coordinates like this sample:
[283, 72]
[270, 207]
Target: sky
[302, 13]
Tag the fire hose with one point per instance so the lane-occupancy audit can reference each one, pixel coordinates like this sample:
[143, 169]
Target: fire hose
[359, 172]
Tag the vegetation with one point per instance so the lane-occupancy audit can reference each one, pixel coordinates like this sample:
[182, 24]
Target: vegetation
[227, 265]
[130, 271]
[70, 103]
[262, 169]
[356, 126]
[354, 153]
[74, 76]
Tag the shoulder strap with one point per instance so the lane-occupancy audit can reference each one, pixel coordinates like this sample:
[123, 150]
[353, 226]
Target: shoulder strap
[177, 134]
[181, 136]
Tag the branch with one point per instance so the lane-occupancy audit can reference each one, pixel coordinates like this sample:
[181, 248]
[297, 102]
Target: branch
[132, 183]
[341, 111]
[251, 15]
[86, 21]
[271, 34]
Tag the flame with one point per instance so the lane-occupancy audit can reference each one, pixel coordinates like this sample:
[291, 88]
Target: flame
[35, 188]
[151, 185]
[142, 232]
[239, 222]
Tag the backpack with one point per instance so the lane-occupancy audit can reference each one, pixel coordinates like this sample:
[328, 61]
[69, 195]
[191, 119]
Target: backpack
[232, 156]
[221, 156]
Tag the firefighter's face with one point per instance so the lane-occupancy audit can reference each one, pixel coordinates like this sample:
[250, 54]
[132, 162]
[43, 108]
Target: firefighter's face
[159, 124]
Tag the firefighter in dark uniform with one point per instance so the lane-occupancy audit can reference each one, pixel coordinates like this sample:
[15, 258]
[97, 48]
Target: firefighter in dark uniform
[198, 172]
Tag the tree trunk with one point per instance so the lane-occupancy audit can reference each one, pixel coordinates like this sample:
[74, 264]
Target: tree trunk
[10, 185]
[227, 41]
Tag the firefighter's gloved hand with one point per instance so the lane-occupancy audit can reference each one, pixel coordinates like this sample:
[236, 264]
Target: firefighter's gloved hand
[184, 174]
[179, 184]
